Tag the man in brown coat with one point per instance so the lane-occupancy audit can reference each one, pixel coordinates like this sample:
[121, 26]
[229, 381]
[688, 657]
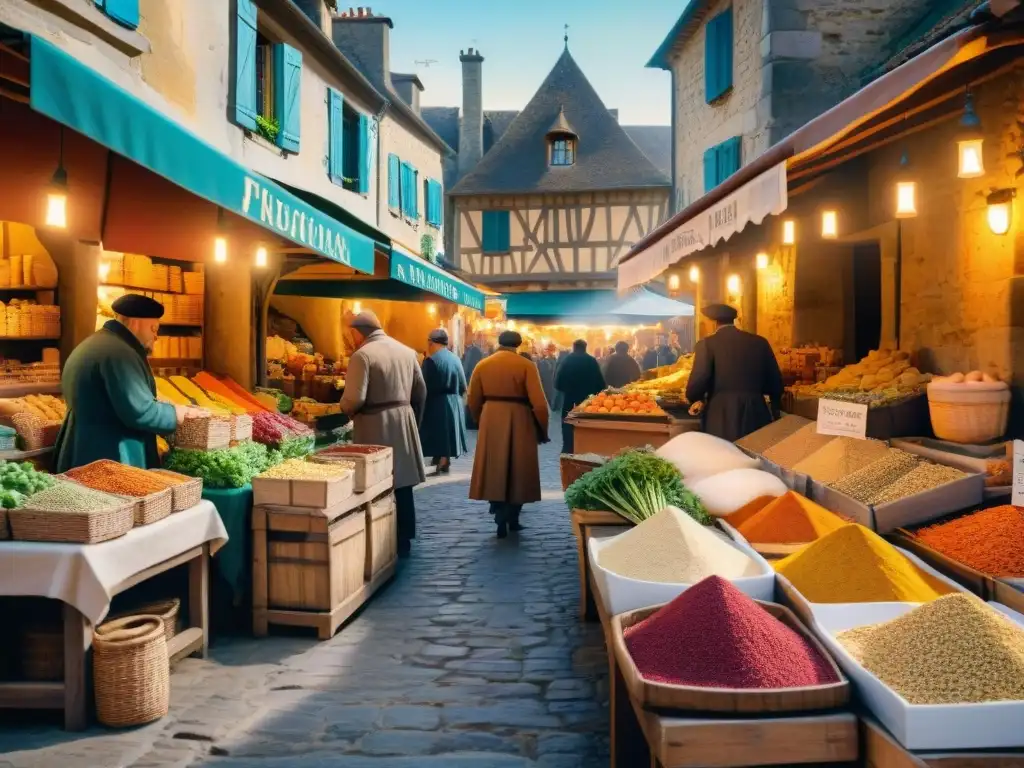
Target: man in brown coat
[506, 398]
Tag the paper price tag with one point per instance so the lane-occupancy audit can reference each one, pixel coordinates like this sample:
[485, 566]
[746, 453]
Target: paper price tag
[1018, 473]
[842, 419]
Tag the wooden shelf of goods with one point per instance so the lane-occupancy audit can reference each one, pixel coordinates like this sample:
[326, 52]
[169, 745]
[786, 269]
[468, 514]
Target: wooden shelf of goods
[314, 567]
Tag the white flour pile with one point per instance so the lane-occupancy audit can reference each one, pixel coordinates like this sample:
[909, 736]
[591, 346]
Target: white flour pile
[673, 548]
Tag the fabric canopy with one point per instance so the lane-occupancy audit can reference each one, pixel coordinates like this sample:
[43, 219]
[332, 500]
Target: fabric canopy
[420, 273]
[593, 306]
[71, 93]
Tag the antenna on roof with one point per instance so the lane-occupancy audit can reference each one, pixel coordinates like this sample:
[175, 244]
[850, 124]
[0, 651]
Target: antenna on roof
[566, 38]
[426, 62]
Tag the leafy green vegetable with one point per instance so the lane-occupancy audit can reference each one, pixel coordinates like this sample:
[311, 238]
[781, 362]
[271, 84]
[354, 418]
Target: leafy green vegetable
[17, 481]
[636, 484]
[226, 468]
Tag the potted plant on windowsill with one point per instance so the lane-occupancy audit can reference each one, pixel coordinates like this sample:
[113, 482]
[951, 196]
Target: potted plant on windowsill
[268, 128]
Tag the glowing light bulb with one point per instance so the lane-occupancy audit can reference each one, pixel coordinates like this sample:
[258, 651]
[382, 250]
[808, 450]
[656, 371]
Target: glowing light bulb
[431, 309]
[673, 282]
[906, 199]
[733, 285]
[357, 307]
[104, 271]
[220, 250]
[261, 257]
[999, 218]
[972, 162]
[57, 210]
[789, 232]
[829, 224]
[762, 260]
[694, 274]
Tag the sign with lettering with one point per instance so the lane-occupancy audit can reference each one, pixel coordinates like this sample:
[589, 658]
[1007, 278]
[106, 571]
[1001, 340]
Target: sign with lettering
[1018, 473]
[420, 273]
[842, 419]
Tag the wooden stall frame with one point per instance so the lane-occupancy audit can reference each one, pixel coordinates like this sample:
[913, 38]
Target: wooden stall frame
[881, 750]
[582, 522]
[73, 694]
[606, 437]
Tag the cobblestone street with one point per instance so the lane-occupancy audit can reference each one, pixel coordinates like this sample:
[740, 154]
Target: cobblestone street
[472, 657]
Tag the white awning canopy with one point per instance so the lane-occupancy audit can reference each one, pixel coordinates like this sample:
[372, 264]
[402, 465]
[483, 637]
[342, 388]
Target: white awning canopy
[762, 196]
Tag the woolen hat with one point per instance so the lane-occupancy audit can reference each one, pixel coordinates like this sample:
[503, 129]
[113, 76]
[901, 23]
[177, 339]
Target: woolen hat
[720, 313]
[366, 321]
[134, 305]
[510, 339]
[438, 336]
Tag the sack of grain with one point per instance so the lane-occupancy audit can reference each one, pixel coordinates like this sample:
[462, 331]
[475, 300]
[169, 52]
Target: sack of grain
[698, 455]
[727, 492]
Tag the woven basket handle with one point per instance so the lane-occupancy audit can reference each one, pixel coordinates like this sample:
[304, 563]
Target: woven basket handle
[131, 630]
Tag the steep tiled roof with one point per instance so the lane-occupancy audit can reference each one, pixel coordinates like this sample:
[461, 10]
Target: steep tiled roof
[942, 18]
[655, 141]
[606, 158]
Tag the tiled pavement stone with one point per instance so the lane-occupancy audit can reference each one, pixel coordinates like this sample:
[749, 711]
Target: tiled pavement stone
[472, 658]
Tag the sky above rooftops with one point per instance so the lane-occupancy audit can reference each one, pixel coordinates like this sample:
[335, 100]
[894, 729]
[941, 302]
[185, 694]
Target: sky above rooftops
[521, 41]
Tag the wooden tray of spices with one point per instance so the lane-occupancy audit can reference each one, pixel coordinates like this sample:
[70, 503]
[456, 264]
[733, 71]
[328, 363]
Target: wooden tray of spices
[314, 494]
[665, 696]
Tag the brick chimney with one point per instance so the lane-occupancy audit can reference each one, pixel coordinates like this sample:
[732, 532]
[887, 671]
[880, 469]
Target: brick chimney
[365, 40]
[471, 125]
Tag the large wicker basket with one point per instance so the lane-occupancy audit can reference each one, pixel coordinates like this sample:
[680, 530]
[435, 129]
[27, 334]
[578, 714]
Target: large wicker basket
[166, 610]
[968, 414]
[131, 671]
[186, 491]
[83, 527]
[241, 428]
[573, 469]
[150, 508]
[206, 433]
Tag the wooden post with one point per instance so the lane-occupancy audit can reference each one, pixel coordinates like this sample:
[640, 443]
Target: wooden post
[259, 572]
[199, 597]
[77, 641]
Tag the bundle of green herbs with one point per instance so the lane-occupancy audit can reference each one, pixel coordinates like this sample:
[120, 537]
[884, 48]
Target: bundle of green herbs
[636, 484]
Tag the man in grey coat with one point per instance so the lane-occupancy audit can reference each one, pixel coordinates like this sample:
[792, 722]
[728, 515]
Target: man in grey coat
[385, 397]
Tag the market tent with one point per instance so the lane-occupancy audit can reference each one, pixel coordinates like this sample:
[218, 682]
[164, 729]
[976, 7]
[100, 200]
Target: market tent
[593, 306]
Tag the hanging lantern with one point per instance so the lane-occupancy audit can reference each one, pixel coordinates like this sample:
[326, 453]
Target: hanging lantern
[732, 285]
[829, 225]
[694, 274]
[906, 191]
[971, 162]
[220, 250]
[761, 260]
[789, 232]
[1000, 210]
[261, 257]
[57, 196]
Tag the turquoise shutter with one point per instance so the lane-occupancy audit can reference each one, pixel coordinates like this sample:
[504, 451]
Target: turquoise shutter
[288, 95]
[718, 40]
[404, 188]
[336, 136]
[728, 158]
[394, 185]
[124, 12]
[710, 169]
[496, 232]
[434, 203]
[245, 65]
[363, 187]
[414, 188]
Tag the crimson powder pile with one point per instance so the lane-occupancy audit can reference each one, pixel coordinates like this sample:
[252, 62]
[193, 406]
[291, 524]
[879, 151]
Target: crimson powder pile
[714, 636]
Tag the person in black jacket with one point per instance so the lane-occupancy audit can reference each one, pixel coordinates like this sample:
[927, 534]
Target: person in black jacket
[733, 372]
[619, 368]
[658, 355]
[579, 377]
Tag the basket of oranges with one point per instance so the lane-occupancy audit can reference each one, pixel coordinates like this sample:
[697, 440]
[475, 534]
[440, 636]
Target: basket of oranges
[616, 404]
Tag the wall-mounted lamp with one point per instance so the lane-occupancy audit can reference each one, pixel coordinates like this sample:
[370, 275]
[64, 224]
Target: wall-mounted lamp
[733, 285]
[906, 191]
[57, 196]
[694, 274]
[431, 309]
[761, 260]
[970, 140]
[829, 225]
[220, 242]
[673, 282]
[1000, 210]
[789, 232]
[261, 257]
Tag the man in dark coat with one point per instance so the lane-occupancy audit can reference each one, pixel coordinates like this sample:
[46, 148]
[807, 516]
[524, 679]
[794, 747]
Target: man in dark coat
[113, 412]
[578, 378]
[443, 429]
[619, 368]
[658, 355]
[546, 367]
[733, 372]
[470, 359]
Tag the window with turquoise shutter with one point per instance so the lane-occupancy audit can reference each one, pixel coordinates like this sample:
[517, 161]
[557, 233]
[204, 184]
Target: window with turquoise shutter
[432, 190]
[124, 12]
[710, 169]
[244, 92]
[718, 40]
[288, 95]
[394, 182]
[336, 136]
[415, 187]
[496, 234]
[722, 161]
[365, 154]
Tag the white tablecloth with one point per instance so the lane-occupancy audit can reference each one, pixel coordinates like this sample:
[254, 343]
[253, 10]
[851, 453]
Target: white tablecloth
[83, 575]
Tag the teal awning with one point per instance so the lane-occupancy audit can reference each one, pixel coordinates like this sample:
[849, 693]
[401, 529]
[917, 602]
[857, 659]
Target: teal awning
[421, 274]
[593, 306]
[75, 95]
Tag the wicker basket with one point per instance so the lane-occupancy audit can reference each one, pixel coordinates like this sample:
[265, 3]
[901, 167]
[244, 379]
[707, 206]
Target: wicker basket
[166, 610]
[131, 671]
[208, 433]
[241, 428]
[574, 469]
[84, 527]
[153, 508]
[186, 492]
[967, 414]
[42, 654]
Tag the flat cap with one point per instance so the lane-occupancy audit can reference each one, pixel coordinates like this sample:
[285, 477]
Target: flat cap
[366, 321]
[510, 339]
[439, 336]
[720, 313]
[134, 305]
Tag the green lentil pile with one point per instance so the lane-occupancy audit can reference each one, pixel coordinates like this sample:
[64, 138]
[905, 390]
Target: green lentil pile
[71, 497]
[297, 469]
[868, 481]
[792, 450]
[924, 477]
[841, 457]
[764, 438]
[953, 650]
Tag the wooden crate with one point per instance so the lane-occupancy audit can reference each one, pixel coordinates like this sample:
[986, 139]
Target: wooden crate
[316, 571]
[881, 750]
[315, 494]
[606, 437]
[382, 534]
[583, 523]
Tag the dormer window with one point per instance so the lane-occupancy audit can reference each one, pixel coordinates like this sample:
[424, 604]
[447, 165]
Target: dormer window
[562, 140]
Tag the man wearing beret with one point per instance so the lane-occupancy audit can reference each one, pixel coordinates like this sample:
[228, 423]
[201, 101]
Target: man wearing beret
[443, 430]
[733, 372]
[113, 412]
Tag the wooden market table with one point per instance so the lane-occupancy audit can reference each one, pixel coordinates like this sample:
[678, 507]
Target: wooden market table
[607, 437]
[86, 577]
[585, 524]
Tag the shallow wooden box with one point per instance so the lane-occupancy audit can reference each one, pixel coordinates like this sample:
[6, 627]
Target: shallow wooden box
[315, 494]
[370, 468]
[382, 534]
[316, 571]
[664, 696]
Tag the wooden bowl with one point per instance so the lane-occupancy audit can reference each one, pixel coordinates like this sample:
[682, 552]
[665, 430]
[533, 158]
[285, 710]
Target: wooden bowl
[661, 696]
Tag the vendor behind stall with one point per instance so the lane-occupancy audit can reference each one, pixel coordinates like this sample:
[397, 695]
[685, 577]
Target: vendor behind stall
[733, 372]
[113, 412]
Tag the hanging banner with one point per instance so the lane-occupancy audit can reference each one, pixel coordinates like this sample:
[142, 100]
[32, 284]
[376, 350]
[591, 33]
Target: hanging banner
[422, 274]
[764, 196]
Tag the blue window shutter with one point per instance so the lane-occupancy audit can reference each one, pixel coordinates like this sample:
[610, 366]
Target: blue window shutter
[434, 206]
[725, 50]
[394, 185]
[288, 95]
[335, 136]
[710, 63]
[124, 12]
[363, 186]
[506, 235]
[496, 232]
[405, 189]
[710, 169]
[718, 40]
[414, 188]
[245, 65]
[729, 158]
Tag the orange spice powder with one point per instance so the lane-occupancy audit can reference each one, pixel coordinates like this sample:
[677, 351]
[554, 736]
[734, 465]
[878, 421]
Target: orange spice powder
[790, 519]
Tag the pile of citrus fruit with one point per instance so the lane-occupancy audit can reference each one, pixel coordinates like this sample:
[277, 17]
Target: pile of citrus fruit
[628, 403]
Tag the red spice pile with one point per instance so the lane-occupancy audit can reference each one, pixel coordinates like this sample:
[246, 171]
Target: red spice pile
[991, 541]
[714, 636]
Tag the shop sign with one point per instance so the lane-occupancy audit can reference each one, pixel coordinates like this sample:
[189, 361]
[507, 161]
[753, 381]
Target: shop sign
[1018, 473]
[842, 419]
[420, 274]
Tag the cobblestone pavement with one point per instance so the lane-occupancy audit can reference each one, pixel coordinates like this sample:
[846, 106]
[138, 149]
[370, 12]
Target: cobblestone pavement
[472, 658]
